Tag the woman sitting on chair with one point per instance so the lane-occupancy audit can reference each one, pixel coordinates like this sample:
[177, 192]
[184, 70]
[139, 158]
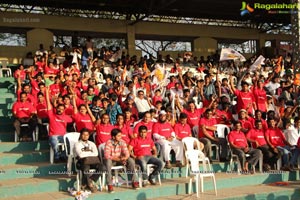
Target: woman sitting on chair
[87, 156]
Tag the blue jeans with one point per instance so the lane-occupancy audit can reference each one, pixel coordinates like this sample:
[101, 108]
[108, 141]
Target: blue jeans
[285, 151]
[54, 141]
[149, 160]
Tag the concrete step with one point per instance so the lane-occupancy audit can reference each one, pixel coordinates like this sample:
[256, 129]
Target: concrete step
[261, 191]
[226, 184]
[7, 100]
[7, 79]
[6, 112]
[24, 157]
[4, 100]
[15, 147]
[7, 136]
[8, 95]
[44, 196]
[6, 121]
[24, 186]
[30, 170]
[4, 90]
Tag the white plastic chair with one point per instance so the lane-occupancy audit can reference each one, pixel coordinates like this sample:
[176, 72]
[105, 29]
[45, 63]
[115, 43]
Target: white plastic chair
[220, 133]
[115, 168]
[189, 144]
[193, 158]
[72, 138]
[34, 134]
[5, 68]
[79, 176]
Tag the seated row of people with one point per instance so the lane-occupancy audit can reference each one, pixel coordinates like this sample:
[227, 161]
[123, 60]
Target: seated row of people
[140, 151]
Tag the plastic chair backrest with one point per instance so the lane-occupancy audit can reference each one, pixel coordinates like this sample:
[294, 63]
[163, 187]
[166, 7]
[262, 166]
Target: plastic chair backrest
[221, 128]
[69, 140]
[189, 143]
[193, 157]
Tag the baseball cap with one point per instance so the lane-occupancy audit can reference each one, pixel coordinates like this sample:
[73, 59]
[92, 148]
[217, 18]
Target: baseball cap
[162, 112]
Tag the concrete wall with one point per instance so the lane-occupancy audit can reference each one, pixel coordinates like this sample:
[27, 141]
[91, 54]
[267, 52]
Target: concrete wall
[204, 44]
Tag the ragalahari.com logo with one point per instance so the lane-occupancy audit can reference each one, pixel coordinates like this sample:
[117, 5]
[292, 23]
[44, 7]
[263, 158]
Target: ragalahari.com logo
[246, 9]
[270, 8]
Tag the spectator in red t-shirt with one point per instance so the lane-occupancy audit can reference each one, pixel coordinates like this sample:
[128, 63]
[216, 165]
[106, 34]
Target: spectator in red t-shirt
[207, 137]
[260, 96]
[35, 83]
[193, 114]
[278, 143]
[20, 73]
[164, 134]
[257, 137]
[182, 129]
[126, 130]
[128, 103]
[129, 118]
[24, 113]
[157, 97]
[27, 89]
[146, 121]
[245, 121]
[57, 128]
[84, 118]
[245, 98]
[258, 116]
[239, 145]
[144, 152]
[103, 130]
[42, 115]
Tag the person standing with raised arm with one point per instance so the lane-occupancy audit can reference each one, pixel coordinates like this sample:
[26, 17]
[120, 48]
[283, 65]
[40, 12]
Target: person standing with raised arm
[57, 127]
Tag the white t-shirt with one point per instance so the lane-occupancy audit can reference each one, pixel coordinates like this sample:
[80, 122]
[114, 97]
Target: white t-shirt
[142, 105]
[292, 135]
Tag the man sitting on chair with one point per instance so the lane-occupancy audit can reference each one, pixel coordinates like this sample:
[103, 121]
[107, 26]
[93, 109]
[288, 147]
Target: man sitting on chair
[164, 134]
[257, 137]
[206, 135]
[83, 149]
[144, 152]
[239, 145]
[25, 113]
[116, 153]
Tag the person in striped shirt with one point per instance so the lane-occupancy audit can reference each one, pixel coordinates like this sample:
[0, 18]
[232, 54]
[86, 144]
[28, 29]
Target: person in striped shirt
[116, 153]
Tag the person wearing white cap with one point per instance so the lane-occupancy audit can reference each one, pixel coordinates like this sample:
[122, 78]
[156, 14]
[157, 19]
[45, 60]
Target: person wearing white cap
[164, 134]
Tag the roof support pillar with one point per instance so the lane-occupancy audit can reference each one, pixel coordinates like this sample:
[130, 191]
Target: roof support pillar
[130, 40]
[204, 46]
[38, 36]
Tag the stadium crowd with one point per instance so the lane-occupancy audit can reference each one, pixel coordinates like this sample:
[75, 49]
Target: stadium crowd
[138, 111]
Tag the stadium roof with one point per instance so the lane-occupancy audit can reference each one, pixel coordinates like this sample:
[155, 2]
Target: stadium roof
[208, 9]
